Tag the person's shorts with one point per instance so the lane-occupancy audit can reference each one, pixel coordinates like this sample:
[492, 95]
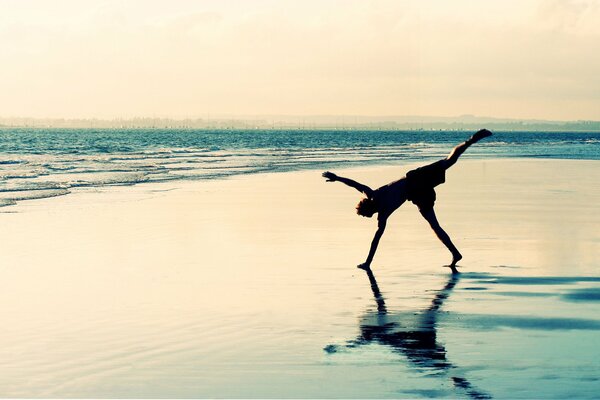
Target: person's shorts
[421, 183]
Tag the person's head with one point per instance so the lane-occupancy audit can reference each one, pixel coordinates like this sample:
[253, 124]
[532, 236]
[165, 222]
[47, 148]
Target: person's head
[366, 207]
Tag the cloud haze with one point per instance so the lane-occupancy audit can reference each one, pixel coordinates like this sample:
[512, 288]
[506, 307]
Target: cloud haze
[521, 59]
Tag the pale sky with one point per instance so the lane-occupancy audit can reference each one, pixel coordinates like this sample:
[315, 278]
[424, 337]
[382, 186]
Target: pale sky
[179, 58]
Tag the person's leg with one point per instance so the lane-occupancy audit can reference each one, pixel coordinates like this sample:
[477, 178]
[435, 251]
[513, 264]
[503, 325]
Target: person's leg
[458, 150]
[429, 215]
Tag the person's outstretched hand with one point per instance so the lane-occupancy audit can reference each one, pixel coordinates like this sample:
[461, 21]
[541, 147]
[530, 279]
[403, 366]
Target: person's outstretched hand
[330, 176]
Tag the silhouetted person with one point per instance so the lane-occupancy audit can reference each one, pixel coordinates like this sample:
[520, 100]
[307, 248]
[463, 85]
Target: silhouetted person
[412, 334]
[418, 187]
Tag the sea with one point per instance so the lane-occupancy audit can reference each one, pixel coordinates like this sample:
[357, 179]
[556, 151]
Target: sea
[38, 163]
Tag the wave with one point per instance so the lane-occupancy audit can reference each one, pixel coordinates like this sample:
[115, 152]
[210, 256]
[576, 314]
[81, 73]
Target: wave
[11, 162]
[60, 164]
[121, 179]
[20, 174]
[13, 197]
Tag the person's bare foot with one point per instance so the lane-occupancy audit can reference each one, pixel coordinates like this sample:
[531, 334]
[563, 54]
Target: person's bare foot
[453, 269]
[456, 257]
[483, 133]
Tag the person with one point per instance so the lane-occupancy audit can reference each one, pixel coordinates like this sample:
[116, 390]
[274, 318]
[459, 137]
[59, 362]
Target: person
[418, 187]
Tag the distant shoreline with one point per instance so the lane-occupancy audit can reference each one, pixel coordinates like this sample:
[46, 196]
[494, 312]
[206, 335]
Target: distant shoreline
[315, 122]
[293, 128]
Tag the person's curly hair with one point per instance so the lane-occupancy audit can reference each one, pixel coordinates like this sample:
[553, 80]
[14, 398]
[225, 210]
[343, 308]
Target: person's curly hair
[366, 207]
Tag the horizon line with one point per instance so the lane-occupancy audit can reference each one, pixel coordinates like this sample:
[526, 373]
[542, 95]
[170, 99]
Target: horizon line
[246, 117]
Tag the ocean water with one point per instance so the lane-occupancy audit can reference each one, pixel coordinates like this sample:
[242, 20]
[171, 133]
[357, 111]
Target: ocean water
[40, 163]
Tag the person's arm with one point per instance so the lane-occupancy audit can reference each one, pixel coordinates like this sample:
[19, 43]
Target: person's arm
[331, 177]
[375, 242]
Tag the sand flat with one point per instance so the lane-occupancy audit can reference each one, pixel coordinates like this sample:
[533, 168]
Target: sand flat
[247, 287]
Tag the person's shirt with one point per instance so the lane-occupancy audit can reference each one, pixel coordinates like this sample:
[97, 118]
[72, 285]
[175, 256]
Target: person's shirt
[389, 197]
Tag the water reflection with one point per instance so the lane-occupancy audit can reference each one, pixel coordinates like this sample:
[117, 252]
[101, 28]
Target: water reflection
[413, 335]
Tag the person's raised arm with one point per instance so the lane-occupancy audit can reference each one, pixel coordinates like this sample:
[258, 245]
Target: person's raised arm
[382, 220]
[331, 177]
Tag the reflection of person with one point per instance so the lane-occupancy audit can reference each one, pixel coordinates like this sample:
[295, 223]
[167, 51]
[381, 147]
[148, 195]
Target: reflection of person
[418, 187]
[412, 334]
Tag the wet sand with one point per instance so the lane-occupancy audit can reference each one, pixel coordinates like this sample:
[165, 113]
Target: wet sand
[247, 287]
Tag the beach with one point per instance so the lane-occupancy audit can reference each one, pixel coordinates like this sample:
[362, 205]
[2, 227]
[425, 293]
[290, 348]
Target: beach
[247, 287]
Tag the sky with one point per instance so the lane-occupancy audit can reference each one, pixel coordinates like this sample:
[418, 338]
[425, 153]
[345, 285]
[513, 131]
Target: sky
[197, 59]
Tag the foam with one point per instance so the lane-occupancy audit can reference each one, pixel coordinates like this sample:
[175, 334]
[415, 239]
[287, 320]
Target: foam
[11, 198]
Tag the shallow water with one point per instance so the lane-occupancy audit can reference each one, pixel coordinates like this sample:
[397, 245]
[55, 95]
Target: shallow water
[248, 288]
[434, 337]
